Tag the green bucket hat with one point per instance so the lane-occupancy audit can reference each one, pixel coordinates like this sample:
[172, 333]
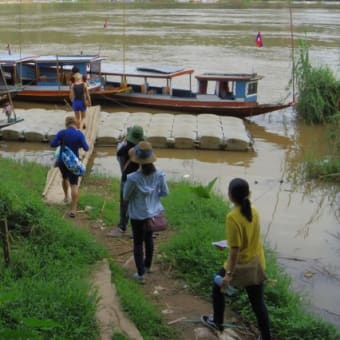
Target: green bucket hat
[135, 134]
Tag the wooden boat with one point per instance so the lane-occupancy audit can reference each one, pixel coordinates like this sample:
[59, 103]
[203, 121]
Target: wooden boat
[218, 93]
[48, 78]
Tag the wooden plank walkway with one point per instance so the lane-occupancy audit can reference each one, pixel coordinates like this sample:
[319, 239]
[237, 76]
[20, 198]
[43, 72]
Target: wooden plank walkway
[53, 192]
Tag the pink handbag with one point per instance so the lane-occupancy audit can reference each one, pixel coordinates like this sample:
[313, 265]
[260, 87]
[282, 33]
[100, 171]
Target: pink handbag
[156, 223]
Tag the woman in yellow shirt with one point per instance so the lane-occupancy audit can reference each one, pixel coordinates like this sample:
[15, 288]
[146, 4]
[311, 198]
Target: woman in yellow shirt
[244, 241]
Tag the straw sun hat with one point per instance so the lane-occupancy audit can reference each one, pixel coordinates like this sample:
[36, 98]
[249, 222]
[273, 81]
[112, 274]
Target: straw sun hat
[142, 153]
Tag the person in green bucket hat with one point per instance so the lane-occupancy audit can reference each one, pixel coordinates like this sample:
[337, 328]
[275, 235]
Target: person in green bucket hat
[135, 134]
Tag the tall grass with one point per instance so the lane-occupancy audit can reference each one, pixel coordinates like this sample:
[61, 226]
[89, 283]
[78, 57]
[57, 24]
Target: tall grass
[45, 292]
[319, 90]
[319, 103]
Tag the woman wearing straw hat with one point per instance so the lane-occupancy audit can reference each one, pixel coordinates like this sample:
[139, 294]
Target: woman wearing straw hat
[143, 190]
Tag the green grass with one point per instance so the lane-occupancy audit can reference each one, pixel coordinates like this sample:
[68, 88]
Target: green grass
[146, 315]
[318, 89]
[45, 292]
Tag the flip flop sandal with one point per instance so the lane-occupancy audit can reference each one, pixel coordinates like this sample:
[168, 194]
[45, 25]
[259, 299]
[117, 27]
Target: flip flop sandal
[71, 214]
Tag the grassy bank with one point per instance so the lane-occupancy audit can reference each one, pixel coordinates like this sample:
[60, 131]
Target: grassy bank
[45, 291]
[197, 217]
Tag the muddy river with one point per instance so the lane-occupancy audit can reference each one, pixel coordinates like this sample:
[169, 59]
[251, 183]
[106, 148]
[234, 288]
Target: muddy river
[300, 220]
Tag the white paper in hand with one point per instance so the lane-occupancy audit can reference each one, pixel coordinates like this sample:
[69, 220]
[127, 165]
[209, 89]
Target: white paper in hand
[220, 244]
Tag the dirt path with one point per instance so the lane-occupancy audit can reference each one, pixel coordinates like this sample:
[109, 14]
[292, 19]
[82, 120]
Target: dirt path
[180, 308]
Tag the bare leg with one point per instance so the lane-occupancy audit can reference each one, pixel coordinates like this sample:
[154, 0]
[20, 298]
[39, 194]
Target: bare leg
[74, 195]
[65, 184]
[83, 120]
[78, 118]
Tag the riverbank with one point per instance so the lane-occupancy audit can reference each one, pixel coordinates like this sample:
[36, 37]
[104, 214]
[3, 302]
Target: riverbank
[99, 208]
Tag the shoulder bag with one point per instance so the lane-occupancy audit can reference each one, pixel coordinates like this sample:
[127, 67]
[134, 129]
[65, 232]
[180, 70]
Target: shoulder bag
[156, 223]
[248, 274]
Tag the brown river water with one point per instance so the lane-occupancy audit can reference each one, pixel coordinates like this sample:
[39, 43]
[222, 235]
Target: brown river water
[300, 220]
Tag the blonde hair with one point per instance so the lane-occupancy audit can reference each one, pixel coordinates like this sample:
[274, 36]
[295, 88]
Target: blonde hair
[78, 76]
[70, 120]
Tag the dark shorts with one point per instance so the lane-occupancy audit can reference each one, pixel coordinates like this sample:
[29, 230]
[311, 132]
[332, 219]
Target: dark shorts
[79, 105]
[66, 174]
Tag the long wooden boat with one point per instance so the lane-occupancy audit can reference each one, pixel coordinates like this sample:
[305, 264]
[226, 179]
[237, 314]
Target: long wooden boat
[218, 93]
[48, 78]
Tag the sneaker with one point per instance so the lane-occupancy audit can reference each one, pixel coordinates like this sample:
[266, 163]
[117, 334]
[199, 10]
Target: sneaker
[148, 270]
[115, 233]
[139, 278]
[209, 322]
[121, 229]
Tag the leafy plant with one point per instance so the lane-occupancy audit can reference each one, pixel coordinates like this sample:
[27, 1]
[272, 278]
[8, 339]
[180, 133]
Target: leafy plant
[319, 91]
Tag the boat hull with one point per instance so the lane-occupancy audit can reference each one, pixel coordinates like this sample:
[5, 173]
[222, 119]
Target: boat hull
[222, 108]
[61, 95]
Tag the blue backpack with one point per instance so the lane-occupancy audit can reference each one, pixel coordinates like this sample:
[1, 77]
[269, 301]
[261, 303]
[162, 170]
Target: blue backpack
[71, 161]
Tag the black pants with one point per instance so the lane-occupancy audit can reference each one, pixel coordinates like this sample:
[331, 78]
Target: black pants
[123, 209]
[140, 238]
[256, 299]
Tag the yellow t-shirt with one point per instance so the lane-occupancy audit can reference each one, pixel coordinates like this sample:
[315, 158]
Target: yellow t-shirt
[245, 235]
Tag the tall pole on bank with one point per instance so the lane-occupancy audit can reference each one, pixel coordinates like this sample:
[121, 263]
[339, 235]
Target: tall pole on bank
[292, 50]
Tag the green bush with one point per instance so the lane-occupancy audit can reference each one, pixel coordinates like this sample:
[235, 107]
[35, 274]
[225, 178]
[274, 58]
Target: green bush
[319, 90]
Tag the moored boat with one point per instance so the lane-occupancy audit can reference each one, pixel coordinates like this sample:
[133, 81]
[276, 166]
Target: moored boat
[48, 78]
[218, 93]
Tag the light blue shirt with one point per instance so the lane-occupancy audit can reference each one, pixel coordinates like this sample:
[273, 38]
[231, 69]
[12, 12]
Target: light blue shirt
[143, 192]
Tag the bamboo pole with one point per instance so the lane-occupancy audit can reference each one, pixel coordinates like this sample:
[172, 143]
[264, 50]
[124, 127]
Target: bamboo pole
[293, 50]
[5, 241]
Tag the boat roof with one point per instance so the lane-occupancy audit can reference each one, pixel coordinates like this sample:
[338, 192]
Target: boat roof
[158, 71]
[67, 59]
[229, 76]
[14, 58]
[11, 59]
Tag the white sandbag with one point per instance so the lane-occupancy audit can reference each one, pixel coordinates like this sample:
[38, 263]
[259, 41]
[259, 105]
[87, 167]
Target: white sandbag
[209, 132]
[235, 134]
[111, 127]
[184, 131]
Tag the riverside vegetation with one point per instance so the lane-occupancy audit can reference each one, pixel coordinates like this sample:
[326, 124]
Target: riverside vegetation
[45, 290]
[319, 103]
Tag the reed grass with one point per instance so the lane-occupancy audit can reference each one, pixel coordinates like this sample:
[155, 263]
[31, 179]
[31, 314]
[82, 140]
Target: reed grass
[319, 103]
[319, 90]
